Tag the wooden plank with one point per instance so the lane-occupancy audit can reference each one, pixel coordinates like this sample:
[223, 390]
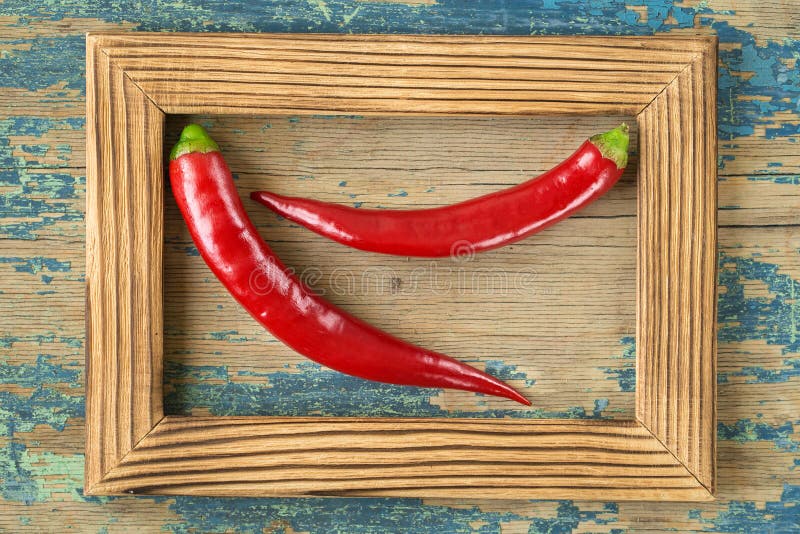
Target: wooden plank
[580, 272]
[329, 66]
[123, 256]
[677, 263]
[306, 456]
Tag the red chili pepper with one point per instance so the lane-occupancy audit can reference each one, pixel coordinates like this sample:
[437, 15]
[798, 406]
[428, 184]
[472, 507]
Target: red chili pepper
[229, 243]
[482, 223]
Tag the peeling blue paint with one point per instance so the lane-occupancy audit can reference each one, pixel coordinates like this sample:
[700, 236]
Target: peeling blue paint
[174, 371]
[37, 264]
[774, 319]
[625, 375]
[190, 250]
[45, 406]
[8, 341]
[759, 89]
[231, 336]
[35, 127]
[25, 216]
[759, 375]
[55, 60]
[22, 413]
[769, 63]
[505, 372]
[314, 390]
[339, 515]
[746, 517]
[776, 179]
[43, 372]
[745, 430]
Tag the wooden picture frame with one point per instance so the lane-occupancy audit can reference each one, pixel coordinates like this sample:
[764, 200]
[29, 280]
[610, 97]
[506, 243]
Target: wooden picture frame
[668, 83]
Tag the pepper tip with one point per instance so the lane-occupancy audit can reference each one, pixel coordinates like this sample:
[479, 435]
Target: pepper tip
[523, 400]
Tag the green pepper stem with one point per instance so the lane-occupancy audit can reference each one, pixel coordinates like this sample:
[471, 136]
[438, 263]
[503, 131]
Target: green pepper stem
[614, 145]
[194, 138]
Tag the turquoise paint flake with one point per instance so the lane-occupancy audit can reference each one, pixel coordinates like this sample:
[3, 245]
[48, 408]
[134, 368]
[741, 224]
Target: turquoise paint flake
[747, 74]
[42, 372]
[346, 515]
[759, 375]
[36, 150]
[37, 264]
[23, 477]
[55, 60]
[626, 375]
[190, 250]
[746, 517]
[774, 319]
[400, 193]
[231, 336]
[745, 430]
[314, 390]
[749, 68]
[21, 215]
[338, 117]
[199, 373]
[8, 340]
[45, 406]
[506, 372]
[18, 483]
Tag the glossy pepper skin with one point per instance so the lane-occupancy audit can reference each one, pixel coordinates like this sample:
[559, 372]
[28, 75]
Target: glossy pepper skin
[229, 243]
[478, 224]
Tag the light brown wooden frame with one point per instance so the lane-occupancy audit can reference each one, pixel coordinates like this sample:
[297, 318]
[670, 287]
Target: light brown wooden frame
[668, 83]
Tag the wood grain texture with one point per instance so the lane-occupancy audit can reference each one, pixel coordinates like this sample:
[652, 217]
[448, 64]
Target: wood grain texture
[124, 221]
[420, 457]
[400, 75]
[676, 341]
[567, 298]
[676, 306]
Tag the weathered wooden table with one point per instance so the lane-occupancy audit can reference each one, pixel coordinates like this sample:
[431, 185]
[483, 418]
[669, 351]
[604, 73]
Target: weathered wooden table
[568, 345]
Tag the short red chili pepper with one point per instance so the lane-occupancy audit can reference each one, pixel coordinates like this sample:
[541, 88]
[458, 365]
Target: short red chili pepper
[478, 224]
[229, 243]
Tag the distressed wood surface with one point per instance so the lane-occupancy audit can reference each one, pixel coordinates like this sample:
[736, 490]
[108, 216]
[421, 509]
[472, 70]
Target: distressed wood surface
[42, 264]
[518, 292]
[130, 403]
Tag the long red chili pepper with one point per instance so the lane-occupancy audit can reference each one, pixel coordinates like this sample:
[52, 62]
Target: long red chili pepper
[482, 223]
[229, 243]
